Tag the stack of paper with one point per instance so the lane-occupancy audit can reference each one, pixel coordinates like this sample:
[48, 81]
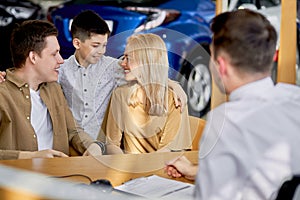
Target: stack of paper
[158, 187]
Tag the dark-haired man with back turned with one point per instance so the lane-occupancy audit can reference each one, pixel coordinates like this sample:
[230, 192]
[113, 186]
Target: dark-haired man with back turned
[234, 158]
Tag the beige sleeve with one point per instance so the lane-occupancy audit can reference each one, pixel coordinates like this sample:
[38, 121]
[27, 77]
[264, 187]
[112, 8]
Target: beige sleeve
[9, 154]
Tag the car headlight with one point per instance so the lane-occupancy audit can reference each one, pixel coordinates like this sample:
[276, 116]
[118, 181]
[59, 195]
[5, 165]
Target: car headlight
[5, 21]
[156, 17]
[20, 12]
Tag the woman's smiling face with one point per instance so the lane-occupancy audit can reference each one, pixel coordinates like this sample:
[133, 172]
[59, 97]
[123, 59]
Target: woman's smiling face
[129, 66]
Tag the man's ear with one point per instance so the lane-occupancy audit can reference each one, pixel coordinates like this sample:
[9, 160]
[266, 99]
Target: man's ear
[76, 43]
[32, 56]
[222, 65]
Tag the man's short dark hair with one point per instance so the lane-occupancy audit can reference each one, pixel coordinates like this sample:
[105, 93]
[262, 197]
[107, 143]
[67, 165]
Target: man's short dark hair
[29, 36]
[247, 37]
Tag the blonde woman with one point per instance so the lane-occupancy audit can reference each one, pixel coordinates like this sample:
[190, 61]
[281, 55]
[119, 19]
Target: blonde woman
[141, 116]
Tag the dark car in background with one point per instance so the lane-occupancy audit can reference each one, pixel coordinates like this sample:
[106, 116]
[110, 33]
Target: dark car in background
[12, 12]
[183, 26]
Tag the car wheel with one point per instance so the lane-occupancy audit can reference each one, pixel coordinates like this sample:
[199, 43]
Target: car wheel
[196, 80]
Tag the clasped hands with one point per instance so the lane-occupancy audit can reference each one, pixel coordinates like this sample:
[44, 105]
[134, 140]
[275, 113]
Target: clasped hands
[181, 167]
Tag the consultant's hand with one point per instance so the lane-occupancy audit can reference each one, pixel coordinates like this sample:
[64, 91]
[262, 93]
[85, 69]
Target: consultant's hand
[93, 150]
[181, 167]
[48, 153]
[2, 76]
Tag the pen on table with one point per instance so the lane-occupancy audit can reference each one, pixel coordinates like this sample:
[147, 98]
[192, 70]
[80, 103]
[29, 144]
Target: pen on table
[175, 190]
[170, 162]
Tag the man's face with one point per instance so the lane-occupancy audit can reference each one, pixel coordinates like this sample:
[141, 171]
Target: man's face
[91, 50]
[48, 63]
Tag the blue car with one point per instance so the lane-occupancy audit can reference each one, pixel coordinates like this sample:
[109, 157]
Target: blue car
[183, 26]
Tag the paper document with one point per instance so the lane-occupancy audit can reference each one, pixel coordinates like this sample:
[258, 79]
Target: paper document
[158, 187]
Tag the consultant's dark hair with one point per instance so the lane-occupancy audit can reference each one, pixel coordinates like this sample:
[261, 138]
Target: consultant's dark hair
[247, 37]
[29, 36]
[87, 23]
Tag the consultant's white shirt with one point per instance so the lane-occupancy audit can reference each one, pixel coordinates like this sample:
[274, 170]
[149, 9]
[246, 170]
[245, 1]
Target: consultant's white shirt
[239, 132]
[41, 121]
[88, 90]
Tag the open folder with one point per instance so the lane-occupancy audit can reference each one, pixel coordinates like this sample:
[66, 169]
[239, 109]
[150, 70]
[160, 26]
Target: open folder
[158, 187]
